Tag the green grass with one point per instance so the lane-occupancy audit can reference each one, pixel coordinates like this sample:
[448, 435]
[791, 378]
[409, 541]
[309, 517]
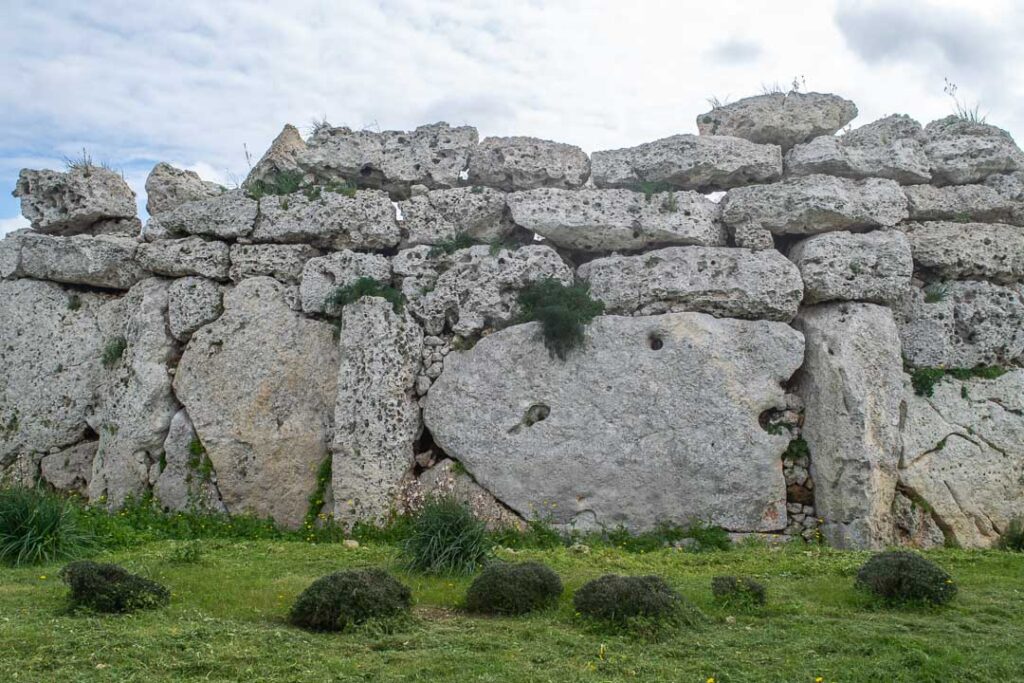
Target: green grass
[365, 286]
[227, 622]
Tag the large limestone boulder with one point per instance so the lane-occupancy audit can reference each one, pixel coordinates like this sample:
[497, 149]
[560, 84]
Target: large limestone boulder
[184, 484]
[891, 148]
[51, 346]
[255, 386]
[914, 525]
[962, 152]
[322, 276]
[843, 266]
[961, 324]
[281, 157]
[851, 386]
[283, 262]
[607, 220]
[191, 303]
[963, 454]
[433, 155]
[168, 187]
[523, 163]
[184, 257]
[333, 220]
[989, 251]
[376, 416]
[475, 288]
[1010, 186]
[733, 283]
[961, 203]
[441, 215]
[783, 119]
[105, 261]
[70, 203]
[228, 216]
[654, 420]
[703, 163]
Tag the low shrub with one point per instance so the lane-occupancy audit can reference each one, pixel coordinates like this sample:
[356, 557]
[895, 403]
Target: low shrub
[905, 577]
[737, 591]
[365, 286]
[505, 588]
[446, 538]
[37, 527]
[1013, 537]
[619, 600]
[111, 589]
[345, 599]
[562, 312]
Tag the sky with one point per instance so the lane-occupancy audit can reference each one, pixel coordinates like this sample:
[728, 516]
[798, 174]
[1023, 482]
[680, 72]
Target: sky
[198, 83]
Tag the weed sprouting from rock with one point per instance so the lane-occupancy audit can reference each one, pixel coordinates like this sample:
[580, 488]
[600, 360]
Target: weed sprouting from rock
[562, 311]
[113, 351]
[365, 286]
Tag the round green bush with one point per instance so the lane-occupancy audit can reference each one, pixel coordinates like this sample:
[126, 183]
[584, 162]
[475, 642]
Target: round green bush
[738, 591]
[618, 599]
[505, 588]
[344, 599]
[446, 538]
[37, 526]
[901, 577]
[110, 588]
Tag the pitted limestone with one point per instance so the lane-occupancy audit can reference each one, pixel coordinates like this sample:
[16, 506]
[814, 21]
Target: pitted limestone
[522, 163]
[841, 266]
[72, 202]
[783, 119]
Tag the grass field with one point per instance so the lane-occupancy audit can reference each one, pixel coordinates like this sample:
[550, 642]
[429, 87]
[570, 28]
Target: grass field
[226, 622]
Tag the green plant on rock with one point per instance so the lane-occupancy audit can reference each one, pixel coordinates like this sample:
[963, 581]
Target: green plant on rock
[74, 302]
[365, 286]
[38, 527]
[452, 244]
[319, 495]
[669, 204]
[738, 591]
[900, 577]
[936, 292]
[280, 183]
[111, 589]
[924, 379]
[113, 351]
[562, 311]
[446, 538]
[504, 588]
[346, 599]
[1013, 537]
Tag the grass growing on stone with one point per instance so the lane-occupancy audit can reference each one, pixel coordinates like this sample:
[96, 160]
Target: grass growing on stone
[227, 621]
[366, 286]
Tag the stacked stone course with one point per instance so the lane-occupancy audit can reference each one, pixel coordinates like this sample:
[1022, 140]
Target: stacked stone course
[202, 360]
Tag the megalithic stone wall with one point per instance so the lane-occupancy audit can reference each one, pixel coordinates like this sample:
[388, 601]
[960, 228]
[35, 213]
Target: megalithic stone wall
[833, 349]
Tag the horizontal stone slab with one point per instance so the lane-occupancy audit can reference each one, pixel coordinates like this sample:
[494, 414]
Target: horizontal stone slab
[332, 220]
[479, 213]
[990, 251]
[186, 256]
[961, 203]
[283, 262]
[783, 119]
[70, 203]
[962, 152]
[228, 216]
[105, 261]
[523, 163]
[842, 266]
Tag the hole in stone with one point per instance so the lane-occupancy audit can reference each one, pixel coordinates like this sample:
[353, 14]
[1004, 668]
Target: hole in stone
[655, 342]
[366, 170]
[538, 412]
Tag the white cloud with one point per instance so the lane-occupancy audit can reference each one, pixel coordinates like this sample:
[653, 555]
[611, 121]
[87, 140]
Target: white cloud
[11, 224]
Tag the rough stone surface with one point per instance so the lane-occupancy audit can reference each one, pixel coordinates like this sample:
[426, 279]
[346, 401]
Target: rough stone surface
[69, 470]
[50, 349]
[621, 432]
[961, 324]
[105, 261]
[523, 163]
[332, 221]
[168, 187]
[961, 203]
[186, 256]
[962, 152]
[814, 204]
[376, 416]
[434, 217]
[254, 384]
[989, 251]
[605, 220]
[475, 288]
[783, 119]
[281, 157]
[322, 276]
[689, 162]
[1011, 187]
[724, 282]
[69, 203]
[842, 266]
[445, 480]
[851, 385]
[184, 485]
[227, 216]
[963, 454]
[891, 148]
[282, 262]
[914, 526]
[191, 303]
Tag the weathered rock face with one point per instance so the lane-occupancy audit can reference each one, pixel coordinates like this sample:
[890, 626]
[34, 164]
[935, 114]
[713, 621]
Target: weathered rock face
[255, 385]
[186, 256]
[69, 470]
[851, 385]
[184, 484]
[989, 251]
[332, 221]
[891, 148]
[914, 525]
[688, 162]
[105, 261]
[961, 324]
[724, 282]
[783, 119]
[1011, 187]
[70, 203]
[227, 216]
[445, 480]
[281, 157]
[434, 217]
[814, 204]
[605, 220]
[475, 288]
[168, 187]
[283, 262]
[376, 416]
[322, 276]
[50, 349]
[963, 454]
[962, 152]
[841, 266]
[656, 419]
[961, 203]
[191, 303]
[432, 155]
[523, 163]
